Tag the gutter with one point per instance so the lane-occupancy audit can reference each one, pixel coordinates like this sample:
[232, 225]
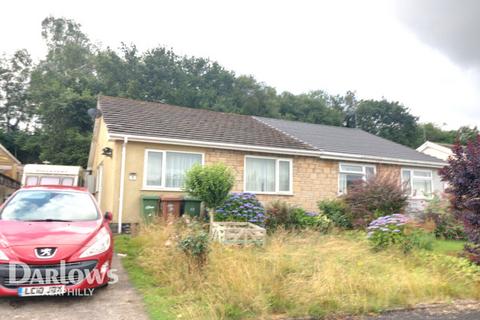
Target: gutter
[122, 184]
[299, 152]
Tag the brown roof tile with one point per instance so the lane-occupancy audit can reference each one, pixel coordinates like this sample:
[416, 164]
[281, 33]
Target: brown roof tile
[133, 117]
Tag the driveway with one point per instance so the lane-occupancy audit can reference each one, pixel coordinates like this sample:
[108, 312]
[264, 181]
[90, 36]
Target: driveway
[116, 302]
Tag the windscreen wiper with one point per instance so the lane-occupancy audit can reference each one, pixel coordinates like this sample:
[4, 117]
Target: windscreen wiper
[48, 220]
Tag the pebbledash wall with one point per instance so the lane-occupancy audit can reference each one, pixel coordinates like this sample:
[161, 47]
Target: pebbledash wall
[314, 179]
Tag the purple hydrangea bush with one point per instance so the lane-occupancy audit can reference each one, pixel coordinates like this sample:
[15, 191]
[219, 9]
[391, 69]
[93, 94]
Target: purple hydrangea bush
[241, 207]
[387, 230]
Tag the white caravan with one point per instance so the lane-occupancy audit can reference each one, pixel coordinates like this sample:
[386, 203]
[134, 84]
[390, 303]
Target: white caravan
[45, 175]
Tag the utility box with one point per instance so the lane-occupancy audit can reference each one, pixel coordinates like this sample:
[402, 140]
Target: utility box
[171, 207]
[192, 207]
[149, 207]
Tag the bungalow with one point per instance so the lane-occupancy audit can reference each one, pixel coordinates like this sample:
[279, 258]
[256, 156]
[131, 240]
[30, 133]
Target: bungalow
[144, 148]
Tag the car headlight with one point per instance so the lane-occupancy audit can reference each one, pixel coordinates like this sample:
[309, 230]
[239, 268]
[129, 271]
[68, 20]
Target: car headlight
[3, 256]
[100, 245]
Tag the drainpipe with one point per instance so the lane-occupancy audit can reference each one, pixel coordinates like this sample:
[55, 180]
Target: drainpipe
[122, 184]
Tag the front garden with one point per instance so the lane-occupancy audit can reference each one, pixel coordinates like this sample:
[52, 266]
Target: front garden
[356, 255]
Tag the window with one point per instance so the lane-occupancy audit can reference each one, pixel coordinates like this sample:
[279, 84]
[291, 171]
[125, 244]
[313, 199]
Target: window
[31, 181]
[268, 175]
[353, 173]
[48, 181]
[417, 183]
[166, 169]
[67, 182]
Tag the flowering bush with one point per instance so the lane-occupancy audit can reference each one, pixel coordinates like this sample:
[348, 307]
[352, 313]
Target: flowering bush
[396, 229]
[386, 231]
[241, 207]
[374, 198]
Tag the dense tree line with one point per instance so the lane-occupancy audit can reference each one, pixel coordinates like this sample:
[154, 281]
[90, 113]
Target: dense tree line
[43, 106]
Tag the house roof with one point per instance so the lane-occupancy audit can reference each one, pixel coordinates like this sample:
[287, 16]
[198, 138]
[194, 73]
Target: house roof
[162, 121]
[344, 140]
[132, 117]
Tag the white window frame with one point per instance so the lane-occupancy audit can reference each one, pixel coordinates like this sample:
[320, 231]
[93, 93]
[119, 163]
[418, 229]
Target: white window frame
[164, 168]
[412, 177]
[363, 173]
[277, 175]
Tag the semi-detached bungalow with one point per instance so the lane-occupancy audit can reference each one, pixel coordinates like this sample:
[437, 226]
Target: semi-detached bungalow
[144, 148]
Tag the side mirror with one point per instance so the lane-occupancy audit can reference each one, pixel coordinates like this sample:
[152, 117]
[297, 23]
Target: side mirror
[108, 216]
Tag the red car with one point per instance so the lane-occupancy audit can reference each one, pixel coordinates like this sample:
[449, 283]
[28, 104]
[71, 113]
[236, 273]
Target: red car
[53, 240]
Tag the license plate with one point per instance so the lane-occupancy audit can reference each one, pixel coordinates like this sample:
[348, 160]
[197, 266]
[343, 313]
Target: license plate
[41, 291]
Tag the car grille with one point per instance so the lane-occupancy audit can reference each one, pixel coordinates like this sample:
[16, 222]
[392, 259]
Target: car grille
[14, 275]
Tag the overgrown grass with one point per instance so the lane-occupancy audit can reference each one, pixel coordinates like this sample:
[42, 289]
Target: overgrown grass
[450, 247]
[294, 275]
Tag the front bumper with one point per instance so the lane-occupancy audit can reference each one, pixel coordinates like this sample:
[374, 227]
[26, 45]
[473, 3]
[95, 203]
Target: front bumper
[94, 275]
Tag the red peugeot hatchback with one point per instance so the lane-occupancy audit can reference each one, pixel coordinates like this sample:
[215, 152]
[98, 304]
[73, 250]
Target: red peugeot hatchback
[53, 240]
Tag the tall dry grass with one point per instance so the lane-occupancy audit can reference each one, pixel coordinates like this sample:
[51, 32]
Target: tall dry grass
[302, 274]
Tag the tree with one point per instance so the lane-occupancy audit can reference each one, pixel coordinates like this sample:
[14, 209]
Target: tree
[389, 120]
[15, 107]
[210, 184]
[431, 132]
[64, 87]
[463, 176]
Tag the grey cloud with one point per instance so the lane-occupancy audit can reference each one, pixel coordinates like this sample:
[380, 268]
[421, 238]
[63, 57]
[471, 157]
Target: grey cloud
[451, 26]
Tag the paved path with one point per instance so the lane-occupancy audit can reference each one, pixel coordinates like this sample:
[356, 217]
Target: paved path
[118, 301]
[459, 311]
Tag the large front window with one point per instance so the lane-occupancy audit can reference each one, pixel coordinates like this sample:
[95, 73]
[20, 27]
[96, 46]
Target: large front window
[268, 175]
[166, 169]
[351, 174]
[417, 183]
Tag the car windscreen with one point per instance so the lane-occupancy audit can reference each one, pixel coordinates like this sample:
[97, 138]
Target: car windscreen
[50, 205]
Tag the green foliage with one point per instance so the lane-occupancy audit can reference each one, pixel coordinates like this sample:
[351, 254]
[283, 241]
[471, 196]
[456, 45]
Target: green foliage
[417, 239]
[210, 184]
[15, 107]
[280, 214]
[195, 245]
[447, 226]
[395, 230]
[389, 120]
[310, 220]
[376, 197]
[53, 96]
[338, 212]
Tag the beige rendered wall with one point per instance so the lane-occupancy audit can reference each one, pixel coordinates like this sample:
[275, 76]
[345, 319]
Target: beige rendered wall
[314, 179]
[111, 169]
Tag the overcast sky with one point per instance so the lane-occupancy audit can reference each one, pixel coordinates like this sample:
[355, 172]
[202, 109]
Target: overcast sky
[423, 53]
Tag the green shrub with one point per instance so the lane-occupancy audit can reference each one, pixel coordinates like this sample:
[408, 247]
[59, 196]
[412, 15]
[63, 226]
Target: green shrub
[337, 211]
[278, 214]
[375, 198]
[281, 214]
[195, 245]
[447, 225]
[312, 220]
[395, 230]
[211, 184]
[417, 239]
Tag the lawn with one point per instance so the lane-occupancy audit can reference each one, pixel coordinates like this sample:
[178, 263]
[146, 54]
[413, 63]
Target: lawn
[450, 247]
[293, 275]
